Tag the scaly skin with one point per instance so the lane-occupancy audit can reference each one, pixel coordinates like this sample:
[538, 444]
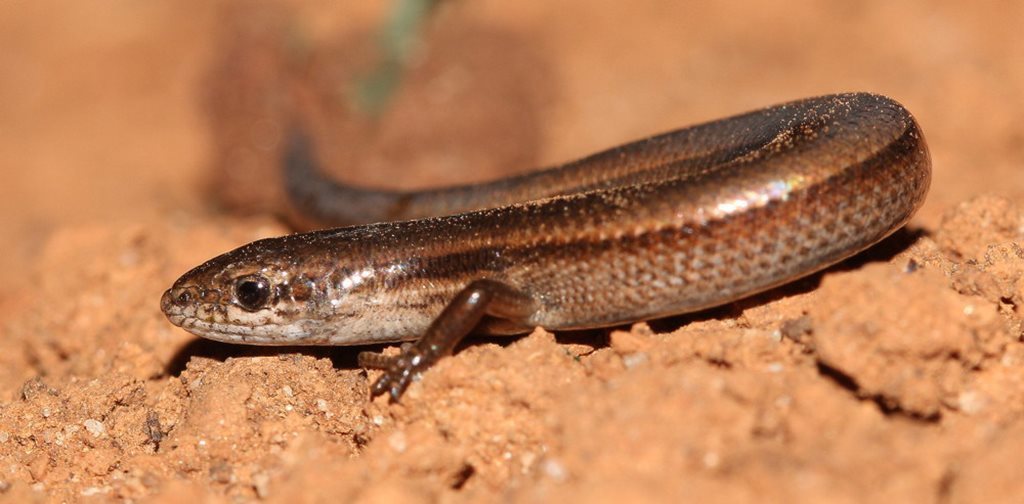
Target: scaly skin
[672, 224]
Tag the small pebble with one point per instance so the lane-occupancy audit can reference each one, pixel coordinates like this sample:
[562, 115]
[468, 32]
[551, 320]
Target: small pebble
[95, 427]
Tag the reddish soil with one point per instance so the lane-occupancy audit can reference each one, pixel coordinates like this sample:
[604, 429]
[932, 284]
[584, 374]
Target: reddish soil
[138, 139]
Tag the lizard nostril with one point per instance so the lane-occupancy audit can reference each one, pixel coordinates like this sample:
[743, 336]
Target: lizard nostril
[175, 298]
[184, 297]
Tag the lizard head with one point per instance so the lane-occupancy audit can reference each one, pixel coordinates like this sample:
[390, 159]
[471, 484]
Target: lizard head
[255, 294]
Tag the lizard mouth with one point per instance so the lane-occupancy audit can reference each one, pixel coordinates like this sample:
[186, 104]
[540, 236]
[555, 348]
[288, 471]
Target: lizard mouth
[183, 308]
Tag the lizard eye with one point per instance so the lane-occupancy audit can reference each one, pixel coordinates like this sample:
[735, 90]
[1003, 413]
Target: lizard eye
[252, 292]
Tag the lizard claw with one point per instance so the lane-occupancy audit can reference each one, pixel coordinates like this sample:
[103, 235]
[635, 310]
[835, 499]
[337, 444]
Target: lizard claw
[399, 370]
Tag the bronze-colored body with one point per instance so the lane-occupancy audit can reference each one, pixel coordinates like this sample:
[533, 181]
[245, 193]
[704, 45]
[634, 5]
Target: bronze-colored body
[672, 224]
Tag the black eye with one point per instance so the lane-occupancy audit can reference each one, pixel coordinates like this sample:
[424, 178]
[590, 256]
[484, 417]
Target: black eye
[252, 292]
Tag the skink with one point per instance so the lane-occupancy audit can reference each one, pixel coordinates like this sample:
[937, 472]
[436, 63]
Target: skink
[671, 224]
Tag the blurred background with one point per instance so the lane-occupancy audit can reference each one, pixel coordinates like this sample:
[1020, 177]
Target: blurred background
[116, 111]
